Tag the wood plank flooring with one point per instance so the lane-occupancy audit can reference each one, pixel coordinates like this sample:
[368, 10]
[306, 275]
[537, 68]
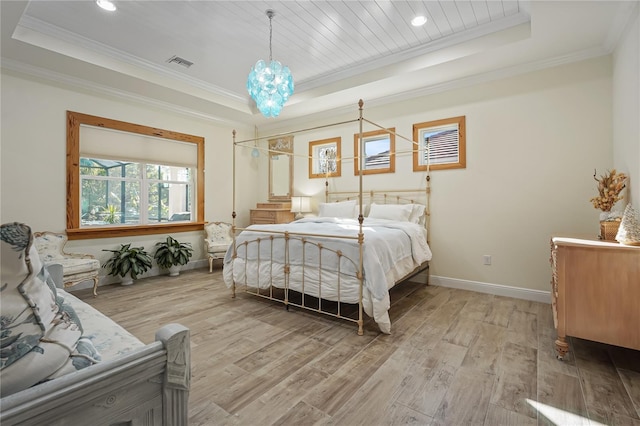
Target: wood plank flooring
[454, 357]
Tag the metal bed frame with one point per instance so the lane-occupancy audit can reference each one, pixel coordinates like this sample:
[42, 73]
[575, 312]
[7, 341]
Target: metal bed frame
[272, 236]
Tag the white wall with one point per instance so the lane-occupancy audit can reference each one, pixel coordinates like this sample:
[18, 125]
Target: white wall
[533, 142]
[626, 107]
[33, 159]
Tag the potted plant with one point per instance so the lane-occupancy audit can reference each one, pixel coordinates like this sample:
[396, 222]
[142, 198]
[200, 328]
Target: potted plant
[128, 262]
[609, 187]
[172, 254]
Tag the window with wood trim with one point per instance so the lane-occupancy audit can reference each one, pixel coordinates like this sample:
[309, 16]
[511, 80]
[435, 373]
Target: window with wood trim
[441, 142]
[128, 179]
[324, 158]
[379, 148]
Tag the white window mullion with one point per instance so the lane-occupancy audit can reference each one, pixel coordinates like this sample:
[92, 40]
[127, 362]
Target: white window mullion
[144, 194]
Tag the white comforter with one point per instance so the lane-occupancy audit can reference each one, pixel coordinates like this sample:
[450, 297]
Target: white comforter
[391, 251]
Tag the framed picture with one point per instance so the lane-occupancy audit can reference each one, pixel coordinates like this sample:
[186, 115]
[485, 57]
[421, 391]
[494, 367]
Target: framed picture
[379, 151]
[441, 143]
[324, 158]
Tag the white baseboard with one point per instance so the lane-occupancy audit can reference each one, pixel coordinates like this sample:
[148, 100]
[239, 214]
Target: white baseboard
[497, 289]
[196, 264]
[154, 271]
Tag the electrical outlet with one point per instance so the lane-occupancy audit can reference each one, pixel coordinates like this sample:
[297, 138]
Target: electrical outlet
[486, 259]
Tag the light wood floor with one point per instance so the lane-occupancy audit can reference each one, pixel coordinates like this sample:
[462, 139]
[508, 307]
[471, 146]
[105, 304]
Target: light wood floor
[454, 357]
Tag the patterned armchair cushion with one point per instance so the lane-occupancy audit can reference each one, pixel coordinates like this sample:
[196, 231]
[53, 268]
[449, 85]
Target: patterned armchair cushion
[218, 237]
[50, 247]
[40, 333]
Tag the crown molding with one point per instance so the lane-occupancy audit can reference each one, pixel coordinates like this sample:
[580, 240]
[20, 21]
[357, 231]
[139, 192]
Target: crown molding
[627, 11]
[346, 108]
[460, 83]
[438, 45]
[29, 23]
[498, 74]
[22, 69]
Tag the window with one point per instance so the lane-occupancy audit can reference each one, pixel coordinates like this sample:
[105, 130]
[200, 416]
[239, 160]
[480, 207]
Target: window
[324, 158]
[127, 193]
[126, 179]
[447, 144]
[379, 151]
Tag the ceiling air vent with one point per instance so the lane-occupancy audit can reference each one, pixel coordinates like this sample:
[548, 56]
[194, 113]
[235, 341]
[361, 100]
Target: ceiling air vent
[180, 61]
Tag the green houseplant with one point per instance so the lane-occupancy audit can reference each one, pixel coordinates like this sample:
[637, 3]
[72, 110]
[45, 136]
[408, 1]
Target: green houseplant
[172, 253]
[128, 262]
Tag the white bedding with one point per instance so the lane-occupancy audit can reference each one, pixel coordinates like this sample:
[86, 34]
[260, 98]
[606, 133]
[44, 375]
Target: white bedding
[391, 251]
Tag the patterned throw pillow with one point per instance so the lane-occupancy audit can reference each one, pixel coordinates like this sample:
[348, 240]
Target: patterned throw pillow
[39, 336]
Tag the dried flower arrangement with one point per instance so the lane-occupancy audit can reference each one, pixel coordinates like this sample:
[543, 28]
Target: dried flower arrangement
[609, 187]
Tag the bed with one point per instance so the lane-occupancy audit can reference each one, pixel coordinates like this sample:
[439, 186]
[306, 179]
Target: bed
[359, 246]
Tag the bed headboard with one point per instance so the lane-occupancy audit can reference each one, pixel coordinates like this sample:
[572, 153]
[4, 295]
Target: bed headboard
[386, 196]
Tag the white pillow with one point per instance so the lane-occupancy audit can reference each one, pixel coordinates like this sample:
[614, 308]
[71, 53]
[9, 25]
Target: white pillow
[340, 209]
[397, 212]
[417, 212]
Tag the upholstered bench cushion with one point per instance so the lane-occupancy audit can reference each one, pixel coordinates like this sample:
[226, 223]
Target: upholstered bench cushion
[73, 266]
[108, 337]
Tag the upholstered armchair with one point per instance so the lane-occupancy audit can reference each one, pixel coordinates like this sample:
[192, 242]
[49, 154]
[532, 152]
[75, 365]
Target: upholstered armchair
[217, 241]
[76, 268]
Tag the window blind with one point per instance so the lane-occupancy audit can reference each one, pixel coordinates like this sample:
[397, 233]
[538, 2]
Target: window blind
[112, 144]
[444, 147]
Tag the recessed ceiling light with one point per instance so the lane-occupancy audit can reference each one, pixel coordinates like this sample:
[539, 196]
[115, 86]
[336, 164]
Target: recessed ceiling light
[419, 21]
[106, 5]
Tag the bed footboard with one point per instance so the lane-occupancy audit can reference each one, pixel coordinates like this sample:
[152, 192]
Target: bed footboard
[148, 386]
[312, 270]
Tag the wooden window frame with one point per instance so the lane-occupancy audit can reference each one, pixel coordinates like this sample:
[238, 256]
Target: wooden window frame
[372, 134]
[314, 146]
[74, 231]
[462, 144]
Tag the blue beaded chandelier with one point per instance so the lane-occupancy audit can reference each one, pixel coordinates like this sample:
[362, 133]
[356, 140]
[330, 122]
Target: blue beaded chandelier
[270, 84]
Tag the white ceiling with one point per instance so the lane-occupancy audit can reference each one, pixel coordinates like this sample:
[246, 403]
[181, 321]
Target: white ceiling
[338, 51]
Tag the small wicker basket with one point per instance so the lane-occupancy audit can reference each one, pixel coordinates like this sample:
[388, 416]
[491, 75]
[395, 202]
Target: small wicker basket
[609, 229]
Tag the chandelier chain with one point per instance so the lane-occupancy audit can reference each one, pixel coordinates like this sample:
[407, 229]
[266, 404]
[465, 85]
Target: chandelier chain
[270, 36]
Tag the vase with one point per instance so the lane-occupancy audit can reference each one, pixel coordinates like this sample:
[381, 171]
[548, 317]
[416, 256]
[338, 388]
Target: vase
[126, 280]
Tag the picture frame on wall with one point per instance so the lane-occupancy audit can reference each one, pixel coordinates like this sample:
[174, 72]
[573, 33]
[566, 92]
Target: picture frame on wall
[324, 158]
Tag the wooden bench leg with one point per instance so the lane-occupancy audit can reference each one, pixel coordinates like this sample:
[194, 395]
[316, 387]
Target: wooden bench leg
[95, 286]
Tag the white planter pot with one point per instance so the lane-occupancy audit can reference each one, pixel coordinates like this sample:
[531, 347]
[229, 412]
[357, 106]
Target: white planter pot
[126, 281]
[174, 270]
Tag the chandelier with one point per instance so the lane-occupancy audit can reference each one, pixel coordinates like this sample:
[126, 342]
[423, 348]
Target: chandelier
[270, 84]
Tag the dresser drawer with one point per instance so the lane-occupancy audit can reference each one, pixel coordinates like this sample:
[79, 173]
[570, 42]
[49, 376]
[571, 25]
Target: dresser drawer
[263, 216]
[266, 216]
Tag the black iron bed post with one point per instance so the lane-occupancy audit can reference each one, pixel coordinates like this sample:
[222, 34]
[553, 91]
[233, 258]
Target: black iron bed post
[233, 210]
[360, 220]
